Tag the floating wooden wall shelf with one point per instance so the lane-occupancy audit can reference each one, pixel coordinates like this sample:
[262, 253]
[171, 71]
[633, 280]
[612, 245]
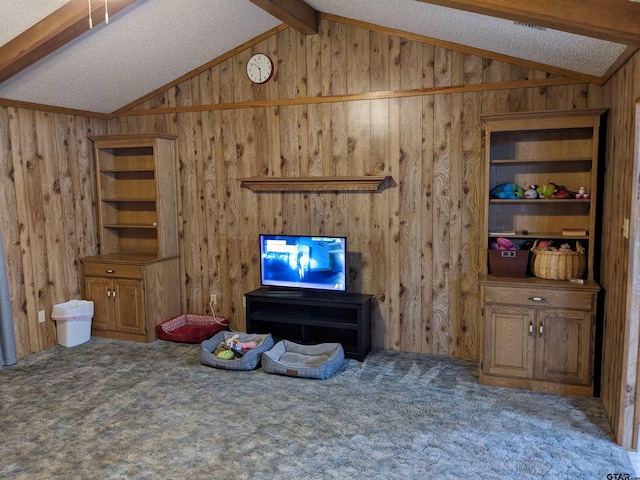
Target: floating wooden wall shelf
[308, 184]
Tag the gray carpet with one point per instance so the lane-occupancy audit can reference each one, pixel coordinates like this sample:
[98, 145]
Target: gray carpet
[113, 409]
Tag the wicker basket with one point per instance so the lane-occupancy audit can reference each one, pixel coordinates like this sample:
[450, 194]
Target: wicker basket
[555, 265]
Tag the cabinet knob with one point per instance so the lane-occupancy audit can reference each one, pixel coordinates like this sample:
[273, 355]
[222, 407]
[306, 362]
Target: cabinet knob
[110, 270]
[540, 329]
[537, 299]
[530, 329]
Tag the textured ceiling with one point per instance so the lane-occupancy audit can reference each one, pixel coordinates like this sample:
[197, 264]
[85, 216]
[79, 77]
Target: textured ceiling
[18, 15]
[153, 42]
[551, 47]
[144, 47]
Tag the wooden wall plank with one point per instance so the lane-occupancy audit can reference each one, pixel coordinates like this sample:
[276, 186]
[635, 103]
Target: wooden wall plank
[219, 207]
[210, 270]
[213, 201]
[188, 215]
[358, 115]
[11, 226]
[427, 199]
[395, 288]
[441, 213]
[472, 210]
[410, 187]
[456, 243]
[57, 287]
[32, 166]
[379, 164]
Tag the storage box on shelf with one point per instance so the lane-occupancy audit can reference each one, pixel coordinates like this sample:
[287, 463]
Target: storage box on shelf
[538, 333]
[134, 281]
[508, 263]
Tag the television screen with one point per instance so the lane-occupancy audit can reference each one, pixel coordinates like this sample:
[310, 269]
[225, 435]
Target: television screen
[298, 261]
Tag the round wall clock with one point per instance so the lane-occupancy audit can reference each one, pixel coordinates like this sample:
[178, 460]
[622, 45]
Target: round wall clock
[259, 68]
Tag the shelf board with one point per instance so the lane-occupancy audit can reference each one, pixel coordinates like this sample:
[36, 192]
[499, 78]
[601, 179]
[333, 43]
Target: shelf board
[128, 170]
[130, 225]
[515, 161]
[116, 200]
[538, 200]
[308, 184]
[536, 235]
[295, 320]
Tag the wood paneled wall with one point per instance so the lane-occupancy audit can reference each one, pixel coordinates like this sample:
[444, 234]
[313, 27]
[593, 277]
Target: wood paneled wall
[47, 218]
[414, 245]
[620, 335]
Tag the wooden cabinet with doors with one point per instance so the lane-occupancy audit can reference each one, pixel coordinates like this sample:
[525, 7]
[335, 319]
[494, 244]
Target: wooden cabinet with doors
[135, 280]
[539, 333]
[131, 294]
[538, 337]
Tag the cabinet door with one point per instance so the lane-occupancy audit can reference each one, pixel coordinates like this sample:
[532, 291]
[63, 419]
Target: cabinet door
[509, 341]
[563, 346]
[128, 305]
[98, 290]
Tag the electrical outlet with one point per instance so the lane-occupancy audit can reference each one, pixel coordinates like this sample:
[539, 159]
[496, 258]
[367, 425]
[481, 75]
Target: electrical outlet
[213, 299]
[41, 316]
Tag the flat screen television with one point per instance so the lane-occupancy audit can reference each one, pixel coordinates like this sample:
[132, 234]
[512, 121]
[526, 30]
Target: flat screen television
[303, 262]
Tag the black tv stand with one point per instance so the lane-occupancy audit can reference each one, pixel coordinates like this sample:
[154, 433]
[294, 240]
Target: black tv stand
[309, 317]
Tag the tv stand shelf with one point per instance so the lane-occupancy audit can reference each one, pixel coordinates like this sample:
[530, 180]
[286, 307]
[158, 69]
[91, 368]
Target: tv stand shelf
[311, 318]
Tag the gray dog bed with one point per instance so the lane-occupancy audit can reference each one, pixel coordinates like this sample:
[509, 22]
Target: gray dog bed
[308, 361]
[248, 361]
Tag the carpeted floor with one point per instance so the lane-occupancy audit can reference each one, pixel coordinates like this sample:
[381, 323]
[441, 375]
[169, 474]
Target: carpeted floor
[112, 409]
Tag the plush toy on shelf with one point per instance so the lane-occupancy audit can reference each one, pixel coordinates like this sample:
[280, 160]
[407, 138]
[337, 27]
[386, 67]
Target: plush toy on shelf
[502, 243]
[582, 193]
[507, 191]
[546, 190]
[561, 192]
[531, 192]
[543, 245]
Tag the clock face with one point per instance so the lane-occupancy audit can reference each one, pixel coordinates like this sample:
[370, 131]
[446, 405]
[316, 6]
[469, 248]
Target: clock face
[259, 68]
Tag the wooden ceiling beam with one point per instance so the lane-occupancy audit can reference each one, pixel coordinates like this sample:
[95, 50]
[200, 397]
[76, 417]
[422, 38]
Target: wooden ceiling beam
[52, 32]
[613, 20]
[295, 13]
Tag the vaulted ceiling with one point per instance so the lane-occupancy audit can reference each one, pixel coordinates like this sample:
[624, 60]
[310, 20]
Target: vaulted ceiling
[50, 56]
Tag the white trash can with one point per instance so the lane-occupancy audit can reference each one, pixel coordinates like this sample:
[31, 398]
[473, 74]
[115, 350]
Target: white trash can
[73, 320]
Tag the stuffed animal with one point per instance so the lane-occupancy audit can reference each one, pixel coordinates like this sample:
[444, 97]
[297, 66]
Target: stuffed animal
[544, 245]
[546, 190]
[561, 192]
[582, 193]
[507, 191]
[503, 244]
